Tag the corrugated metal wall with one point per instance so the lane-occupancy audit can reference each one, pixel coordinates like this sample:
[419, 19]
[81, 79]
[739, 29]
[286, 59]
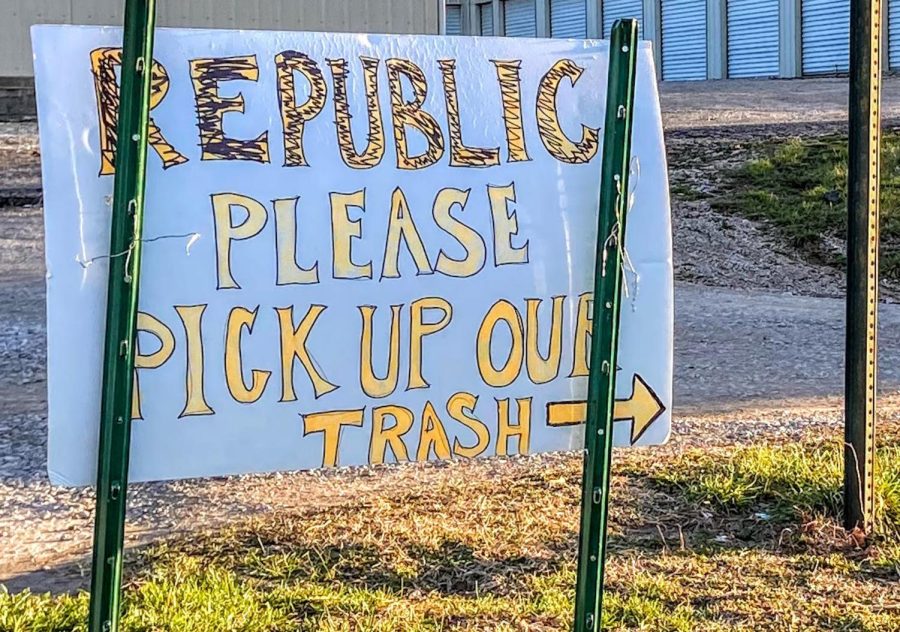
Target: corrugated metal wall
[752, 38]
[683, 39]
[616, 9]
[519, 18]
[372, 16]
[454, 20]
[486, 19]
[568, 18]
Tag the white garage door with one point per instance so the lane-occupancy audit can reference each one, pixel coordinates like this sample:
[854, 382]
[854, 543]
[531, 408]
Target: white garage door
[752, 38]
[617, 9]
[683, 39]
[826, 36]
[568, 18]
[519, 19]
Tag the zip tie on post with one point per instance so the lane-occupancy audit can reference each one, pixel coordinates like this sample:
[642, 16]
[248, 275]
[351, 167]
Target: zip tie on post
[619, 196]
[135, 239]
[128, 262]
[612, 240]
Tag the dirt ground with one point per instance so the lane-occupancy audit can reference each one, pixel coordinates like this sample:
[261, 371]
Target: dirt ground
[758, 337]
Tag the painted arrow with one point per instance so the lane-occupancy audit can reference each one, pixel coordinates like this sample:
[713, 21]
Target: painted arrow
[641, 409]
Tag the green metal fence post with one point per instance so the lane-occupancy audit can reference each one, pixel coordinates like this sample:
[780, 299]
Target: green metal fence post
[598, 438]
[121, 315]
[862, 264]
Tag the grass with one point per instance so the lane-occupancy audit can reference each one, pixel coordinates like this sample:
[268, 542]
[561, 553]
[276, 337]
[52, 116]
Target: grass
[800, 187]
[491, 546]
[792, 481]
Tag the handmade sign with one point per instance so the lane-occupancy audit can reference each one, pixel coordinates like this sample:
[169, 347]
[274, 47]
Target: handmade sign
[357, 249]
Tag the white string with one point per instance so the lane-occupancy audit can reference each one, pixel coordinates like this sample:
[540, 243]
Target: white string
[192, 238]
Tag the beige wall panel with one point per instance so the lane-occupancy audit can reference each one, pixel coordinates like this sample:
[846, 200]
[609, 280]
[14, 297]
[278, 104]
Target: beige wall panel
[15, 40]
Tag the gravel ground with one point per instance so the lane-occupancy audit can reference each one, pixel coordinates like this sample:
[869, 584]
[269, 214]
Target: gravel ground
[737, 102]
[712, 126]
[724, 250]
[719, 249]
[758, 340]
[20, 157]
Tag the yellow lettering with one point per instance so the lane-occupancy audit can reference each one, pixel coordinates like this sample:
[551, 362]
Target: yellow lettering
[511, 97]
[206, 75]
[419, 329]
[552, 135]
[460, 154]
[238, 319]
[505, 226]
[226, 232]
[501, 311]
[103, 63]
[330, 424]
[507, 430]
[372, 385]
[191, 319]
[293, 347]
[410, 114]
[457, 407]
[433, 436]
[343, 232]
[289, 273]
[153, 326]
[543, 369]
[468, 238]
[293, 116]
[582, 336]
[389, 437]
[374, 151]
[402, 227]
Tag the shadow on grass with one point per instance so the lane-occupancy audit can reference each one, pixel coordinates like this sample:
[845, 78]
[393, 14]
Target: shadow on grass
[449, 567]
[428, 542]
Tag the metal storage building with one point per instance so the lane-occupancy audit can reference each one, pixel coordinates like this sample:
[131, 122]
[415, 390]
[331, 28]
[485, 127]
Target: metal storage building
[373, 16]
[695, 39]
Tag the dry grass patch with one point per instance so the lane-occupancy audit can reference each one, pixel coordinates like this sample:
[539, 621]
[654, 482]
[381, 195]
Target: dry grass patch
[736, 539]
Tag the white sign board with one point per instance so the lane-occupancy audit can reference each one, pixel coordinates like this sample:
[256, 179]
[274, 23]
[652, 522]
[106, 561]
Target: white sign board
[359, 249]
